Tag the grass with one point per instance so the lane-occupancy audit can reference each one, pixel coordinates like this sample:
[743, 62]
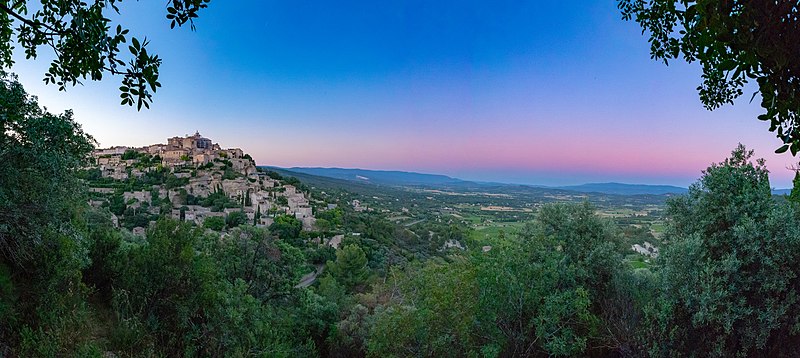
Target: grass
[658, 227]
[495, 231]
[638, 264]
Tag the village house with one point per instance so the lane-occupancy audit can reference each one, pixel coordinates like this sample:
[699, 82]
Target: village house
[174, 155]
[266, 221]
[118, 150]
[142, 196]
[252, 192]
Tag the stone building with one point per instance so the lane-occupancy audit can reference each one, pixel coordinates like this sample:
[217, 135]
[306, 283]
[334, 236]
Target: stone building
[118, 150]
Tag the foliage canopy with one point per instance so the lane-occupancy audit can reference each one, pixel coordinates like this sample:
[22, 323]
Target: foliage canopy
[735, 42]
[40, 154]
[86, 44]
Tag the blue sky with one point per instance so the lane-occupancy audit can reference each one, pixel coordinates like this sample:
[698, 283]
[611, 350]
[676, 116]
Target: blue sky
[530, 92]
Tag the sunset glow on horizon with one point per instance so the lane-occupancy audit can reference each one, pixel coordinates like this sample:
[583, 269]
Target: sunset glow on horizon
[504, 92]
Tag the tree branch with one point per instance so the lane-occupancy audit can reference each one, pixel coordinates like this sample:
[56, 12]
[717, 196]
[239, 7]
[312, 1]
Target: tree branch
[31, 23]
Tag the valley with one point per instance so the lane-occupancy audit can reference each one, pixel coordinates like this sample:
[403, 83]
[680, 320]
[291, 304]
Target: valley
[487, 212]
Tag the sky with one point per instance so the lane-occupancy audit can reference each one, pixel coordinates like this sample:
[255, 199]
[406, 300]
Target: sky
[533, 92]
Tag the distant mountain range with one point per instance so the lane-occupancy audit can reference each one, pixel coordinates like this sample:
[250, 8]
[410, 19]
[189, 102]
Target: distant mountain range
[781, 191]
[401, 178]
[381, 177]
[625, 189]
[366, 177]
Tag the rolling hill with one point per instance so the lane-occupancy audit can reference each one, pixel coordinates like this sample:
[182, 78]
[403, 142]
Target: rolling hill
[401, 178]
[381, 177]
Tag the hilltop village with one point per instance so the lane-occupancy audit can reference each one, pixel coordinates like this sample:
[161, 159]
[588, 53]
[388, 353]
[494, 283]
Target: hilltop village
[191, 179]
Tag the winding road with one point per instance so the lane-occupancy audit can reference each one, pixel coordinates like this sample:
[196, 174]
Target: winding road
[309, 278]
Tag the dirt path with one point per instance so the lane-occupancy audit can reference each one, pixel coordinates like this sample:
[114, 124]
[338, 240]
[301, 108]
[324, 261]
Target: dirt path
[415, 222]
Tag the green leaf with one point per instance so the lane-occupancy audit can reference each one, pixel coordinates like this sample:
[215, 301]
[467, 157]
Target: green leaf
[782, 149]
[727, 65]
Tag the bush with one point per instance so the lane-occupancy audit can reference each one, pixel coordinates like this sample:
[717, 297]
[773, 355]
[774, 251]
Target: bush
[287, 227]
[216, 223]
[235, 219]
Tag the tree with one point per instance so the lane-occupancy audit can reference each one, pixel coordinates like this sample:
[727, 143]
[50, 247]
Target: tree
[433, 316]
[331, 290]
[104, 242]
[235, 219]
[86, 44]
[556, 275]
[794, 196]
[350, 267]
[116, 204]
[287, 227]
[40, 154]
[269, 269]
[544, 292]
[257, 216]
[332, 217]
[181, 293]
[130, 154]
[587, 241]
[349, 339]
[729, 287]
[216, 223]
[281, 201]
[44, 244]
[166, 286]
[735, 42]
